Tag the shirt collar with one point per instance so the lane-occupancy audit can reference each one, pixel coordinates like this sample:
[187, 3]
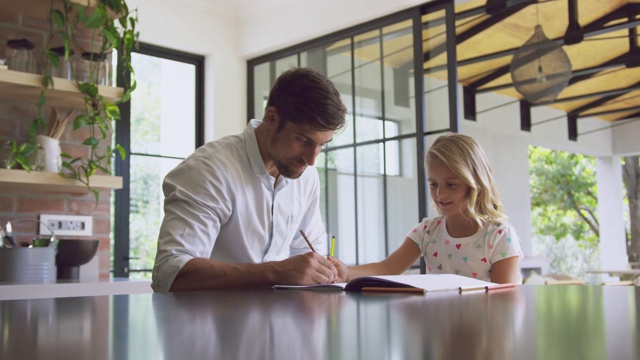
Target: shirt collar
[252, 147]
[256, 158]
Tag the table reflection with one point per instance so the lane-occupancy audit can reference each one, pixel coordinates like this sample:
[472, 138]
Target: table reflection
[53, 328]
[240, 325]
[433, 326]
[474, 326]
[527, 322]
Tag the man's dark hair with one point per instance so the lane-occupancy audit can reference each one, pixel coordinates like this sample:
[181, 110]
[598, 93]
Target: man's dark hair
[304, 96]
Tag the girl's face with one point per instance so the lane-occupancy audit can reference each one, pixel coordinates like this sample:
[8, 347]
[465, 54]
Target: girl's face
[448, 191]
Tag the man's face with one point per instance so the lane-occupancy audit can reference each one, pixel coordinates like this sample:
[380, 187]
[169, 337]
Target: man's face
[294, 147]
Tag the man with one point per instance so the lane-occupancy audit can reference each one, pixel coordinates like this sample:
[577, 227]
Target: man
[235, 207]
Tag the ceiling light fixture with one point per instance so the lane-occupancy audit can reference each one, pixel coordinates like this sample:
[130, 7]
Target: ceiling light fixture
[540, 69]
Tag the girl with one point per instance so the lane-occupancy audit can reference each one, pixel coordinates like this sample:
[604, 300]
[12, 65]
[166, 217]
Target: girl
[471, 237]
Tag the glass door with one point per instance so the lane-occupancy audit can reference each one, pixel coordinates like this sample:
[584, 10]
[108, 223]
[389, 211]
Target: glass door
[162, 127]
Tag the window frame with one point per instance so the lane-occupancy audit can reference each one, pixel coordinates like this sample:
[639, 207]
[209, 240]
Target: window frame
[121, 203]
[421, 132]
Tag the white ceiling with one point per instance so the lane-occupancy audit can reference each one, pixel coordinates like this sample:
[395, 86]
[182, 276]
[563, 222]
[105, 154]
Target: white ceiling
[267, 25]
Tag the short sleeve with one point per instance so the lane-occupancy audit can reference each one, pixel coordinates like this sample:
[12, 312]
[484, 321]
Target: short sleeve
[423, 233]
[504, 243]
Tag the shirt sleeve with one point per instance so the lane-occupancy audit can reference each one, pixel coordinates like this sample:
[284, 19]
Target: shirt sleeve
[420, 232]
[197, 203]
[504, 243]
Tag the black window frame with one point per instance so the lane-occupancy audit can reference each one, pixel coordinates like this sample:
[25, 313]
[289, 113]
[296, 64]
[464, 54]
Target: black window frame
[122, 197]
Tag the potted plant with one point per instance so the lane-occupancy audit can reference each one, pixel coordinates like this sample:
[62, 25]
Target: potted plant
[111, 26]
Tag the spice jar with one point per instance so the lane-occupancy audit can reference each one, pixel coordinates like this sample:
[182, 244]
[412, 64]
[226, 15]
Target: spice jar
[63, 70]
[95, 68]
[37, 159]
[20, 57]
[7, 156]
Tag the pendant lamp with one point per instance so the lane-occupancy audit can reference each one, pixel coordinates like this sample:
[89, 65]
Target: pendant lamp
[540, 69]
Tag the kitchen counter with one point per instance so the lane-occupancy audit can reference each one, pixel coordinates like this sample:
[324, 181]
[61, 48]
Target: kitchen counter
[66, 288]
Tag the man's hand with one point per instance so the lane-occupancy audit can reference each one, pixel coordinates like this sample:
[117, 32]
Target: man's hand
[306, 269]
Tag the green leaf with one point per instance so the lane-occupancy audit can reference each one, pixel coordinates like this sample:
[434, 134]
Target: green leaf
[129, 40]
[88, 89]
[23, 162]
[67, 45]
[91, 141]
[112, 36]
[121, 151]
[96, 20]
[126, 96]
[58, 18]
[112, 111]
[115, 5]
[33, 128]
[81, 13]
[80, 121]
[26, 149]
[52, 58]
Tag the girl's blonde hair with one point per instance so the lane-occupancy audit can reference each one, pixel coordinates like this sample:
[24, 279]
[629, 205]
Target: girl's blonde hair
[467, 160]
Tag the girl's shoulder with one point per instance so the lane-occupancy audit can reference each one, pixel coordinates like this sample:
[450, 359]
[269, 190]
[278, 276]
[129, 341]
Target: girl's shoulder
[427, 226]
[499, 228]
[432, 223]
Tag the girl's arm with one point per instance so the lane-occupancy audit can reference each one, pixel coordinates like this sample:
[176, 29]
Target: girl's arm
[505, 271]
[396, 263]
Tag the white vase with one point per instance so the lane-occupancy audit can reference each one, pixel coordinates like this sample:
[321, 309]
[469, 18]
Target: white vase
[52, 152]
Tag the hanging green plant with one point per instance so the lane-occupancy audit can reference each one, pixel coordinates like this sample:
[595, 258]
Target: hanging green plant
[112, 26]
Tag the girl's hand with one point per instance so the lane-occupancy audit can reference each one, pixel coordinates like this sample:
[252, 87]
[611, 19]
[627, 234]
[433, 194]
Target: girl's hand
[343, 270]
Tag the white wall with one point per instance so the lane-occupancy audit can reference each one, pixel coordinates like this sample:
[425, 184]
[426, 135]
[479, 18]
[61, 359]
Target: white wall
[268, 25]
[207, 29]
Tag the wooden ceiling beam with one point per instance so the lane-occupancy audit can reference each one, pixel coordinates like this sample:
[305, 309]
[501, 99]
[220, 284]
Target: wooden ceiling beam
[488, 8]
[574, 33]
[636, 115]
[475, 30]
[622, 12]
[584, 74]
[606, 97]
[589, 31]
[609, 112]
[610, 94]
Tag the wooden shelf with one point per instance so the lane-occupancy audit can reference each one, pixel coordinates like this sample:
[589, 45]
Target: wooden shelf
[23, 86]
[38, 9]
[53, 182]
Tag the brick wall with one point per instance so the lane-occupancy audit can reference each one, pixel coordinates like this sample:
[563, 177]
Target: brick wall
[27, 19]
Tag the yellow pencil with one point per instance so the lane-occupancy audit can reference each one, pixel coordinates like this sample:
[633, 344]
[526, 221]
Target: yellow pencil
[333, 245]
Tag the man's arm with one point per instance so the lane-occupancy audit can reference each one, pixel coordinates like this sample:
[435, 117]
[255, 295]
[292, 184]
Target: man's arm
[206, 274]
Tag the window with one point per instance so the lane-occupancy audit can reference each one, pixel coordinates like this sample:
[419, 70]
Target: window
[160, 127]
[372, 177]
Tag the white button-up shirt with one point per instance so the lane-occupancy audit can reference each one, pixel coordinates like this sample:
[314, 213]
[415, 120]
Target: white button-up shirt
[220, 203]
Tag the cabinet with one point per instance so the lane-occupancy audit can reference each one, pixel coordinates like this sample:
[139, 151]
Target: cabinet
[20, 86]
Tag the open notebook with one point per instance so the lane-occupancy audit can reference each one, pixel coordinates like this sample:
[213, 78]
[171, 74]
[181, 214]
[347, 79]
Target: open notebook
[405, 283]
